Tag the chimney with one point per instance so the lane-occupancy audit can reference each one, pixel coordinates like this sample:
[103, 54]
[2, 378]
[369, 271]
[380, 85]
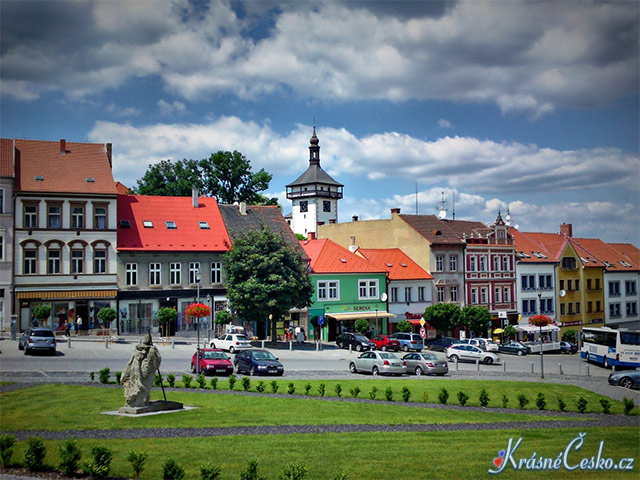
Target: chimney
[353, 247]
[63, 146]
[395, 211]
[195, 195]
[354, 218]
[108, 149]
[566, 229]
[311, 235]
[242, 207]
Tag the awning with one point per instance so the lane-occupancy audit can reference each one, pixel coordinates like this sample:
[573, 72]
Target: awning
[65, 294]
[356, 315]
[534, 329]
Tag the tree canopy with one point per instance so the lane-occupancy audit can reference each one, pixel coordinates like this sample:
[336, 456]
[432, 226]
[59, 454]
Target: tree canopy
[475, 318]
[227, 176]
[266, 277]
[442, 316]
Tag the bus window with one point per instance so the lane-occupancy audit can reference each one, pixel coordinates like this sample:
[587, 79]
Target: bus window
[630, 338]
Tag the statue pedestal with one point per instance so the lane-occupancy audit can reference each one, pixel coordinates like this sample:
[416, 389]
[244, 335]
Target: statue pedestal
[157, 406]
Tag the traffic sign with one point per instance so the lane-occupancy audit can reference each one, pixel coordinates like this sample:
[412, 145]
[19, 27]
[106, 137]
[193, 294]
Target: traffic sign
[321, 320]
[423, 333]
[422, 322]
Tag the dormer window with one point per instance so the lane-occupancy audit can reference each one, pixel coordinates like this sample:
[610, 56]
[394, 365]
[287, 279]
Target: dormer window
[91, 180]
[125, 224]
[171, 225]
[39, 178]
[204, 225]
[147, 224]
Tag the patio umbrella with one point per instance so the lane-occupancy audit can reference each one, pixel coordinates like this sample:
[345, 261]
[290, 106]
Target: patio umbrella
[498, 331]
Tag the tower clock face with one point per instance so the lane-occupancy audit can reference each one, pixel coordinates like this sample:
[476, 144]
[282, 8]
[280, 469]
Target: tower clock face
[304, 206]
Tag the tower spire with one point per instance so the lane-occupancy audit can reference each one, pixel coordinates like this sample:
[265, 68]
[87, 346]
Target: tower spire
[314, 149]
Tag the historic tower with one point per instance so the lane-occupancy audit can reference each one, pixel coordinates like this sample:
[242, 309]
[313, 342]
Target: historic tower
[314, 194]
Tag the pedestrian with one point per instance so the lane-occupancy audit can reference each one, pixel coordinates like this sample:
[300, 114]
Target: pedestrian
[290, 331]
[79, 325]
[304, 334]
[67, 328]
[297, 330]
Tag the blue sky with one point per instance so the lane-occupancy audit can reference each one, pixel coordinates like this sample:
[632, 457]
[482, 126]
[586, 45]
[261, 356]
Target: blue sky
[531, 106]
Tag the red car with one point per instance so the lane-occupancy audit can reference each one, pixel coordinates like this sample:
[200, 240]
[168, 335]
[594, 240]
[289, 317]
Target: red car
[385, 342]
[212, 361]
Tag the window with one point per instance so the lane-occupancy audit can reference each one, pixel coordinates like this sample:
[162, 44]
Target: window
[147, 224]
[394, 294]
[54, 215]
[30, 216]
[30, 261]
[505, 263]
[453, 263]
[326, 206]
[170, 224]
[496, 263]
[630, 287]
[175, 273]
[562, 309]
[597, 284]
[100, 217]
[588, 284]
[589, 307]
[77, 260]
[204, 225]
[569, 285]
[506, 294]
[598, 306]
[528, 282]
[407, 294]
[561, 284]
[421, 294]
[368, 289]
[483, 263]
[53, 261]
[100, 260]
[474, 296]
[328, 290]
[570, 308]
[1, 247]
[77, 216]
[472, 264]
[154, 273]
[569, 263]
[440, 292]
[577, 284]
[632, 309]
[544, 282]
[304, 206]
[577, 308]
[483, 295]
[216, 273]
[546, 305]
[131, 274]
[440, 263]
[614, 310]
[497, 295]
[528, 307]
[194, 271]
[453, 292]
[614, 289]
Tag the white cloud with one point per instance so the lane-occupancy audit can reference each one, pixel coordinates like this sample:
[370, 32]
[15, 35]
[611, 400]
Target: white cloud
[444, 123]
[167, 108]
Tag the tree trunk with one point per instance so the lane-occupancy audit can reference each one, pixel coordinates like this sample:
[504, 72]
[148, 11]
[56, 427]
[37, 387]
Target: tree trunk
[274, 330]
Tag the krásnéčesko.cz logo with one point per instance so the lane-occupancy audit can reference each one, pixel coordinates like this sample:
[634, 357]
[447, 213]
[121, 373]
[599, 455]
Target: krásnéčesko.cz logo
[566, 459]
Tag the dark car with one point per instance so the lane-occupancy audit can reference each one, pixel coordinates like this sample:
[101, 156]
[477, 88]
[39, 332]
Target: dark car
[515, 348]
[258, 362]
[440, 344]
[357, 341]
[566, 347]
[625, 378]
[385, 342]
[37, 339]
[213, 362]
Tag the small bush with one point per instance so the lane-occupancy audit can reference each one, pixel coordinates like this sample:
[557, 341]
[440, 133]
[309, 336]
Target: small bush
[186, 380]
[338, 390]
[171, 470]
[34, 454]
[294, 471]
[92, 376]
[232, 381]
[260, 386]
[581, 404]
[171, 380]
[100, 464]
[406, 394]
[307, 388]
[562, 405]
[157, 381]
[523, 401]
[388, 394]
[321, 389]
[214, 383]
[443, 396]
[355, 391]
[484, 398]
[274, 386]
[7, 442]
[119, 377]
[462, 398]
[70, 456]
[541, 402]
[246, 384]
[209, 471]
[373, 392]
[606, 405]
[202, 382]
[251, 471]
[629, 405]
[291, 388]
[425, 397]
[505, 401]
[137, 462]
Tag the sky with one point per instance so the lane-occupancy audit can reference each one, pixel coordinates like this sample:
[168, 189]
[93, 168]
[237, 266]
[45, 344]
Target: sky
[531, 107]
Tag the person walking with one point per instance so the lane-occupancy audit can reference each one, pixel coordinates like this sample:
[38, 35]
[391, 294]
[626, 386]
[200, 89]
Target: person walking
[79, 326]
[67, 328]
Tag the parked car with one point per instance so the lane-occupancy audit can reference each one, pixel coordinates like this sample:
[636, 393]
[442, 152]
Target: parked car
[515, 348]
[386, 342]
[440, 344]
[357, 341]
[626, 378]
[37, 339]
[485, 344]
[258, 362]
[231, 342]
[471, 353]
[425, 363]
[568, 347]
[409, 341]
[376, 363]
[212, 361]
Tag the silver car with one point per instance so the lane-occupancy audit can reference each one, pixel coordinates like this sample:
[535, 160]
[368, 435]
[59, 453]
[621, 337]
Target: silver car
[378, 363]
[425, 363]
[469, 353]
[37, 339]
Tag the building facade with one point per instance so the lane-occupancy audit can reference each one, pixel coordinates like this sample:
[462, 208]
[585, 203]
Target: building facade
[6, 232]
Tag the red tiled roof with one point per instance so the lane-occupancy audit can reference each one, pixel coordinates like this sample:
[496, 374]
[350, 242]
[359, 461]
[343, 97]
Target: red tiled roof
[537, 246]
[396, 263]
[122, 189]
[329, 257]
[598, 253]
[628, 250]
[438, 231]
[66, 172]
[6, 157]
[187, 237]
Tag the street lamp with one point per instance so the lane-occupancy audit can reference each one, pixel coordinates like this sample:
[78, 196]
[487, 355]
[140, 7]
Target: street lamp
[539, 292]
[198, 319]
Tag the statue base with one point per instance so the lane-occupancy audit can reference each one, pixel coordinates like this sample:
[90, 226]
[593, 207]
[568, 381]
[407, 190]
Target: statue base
[157, 406]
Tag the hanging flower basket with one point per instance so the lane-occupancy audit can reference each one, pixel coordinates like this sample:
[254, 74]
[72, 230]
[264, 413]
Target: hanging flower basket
[198, 310]
[540, 320]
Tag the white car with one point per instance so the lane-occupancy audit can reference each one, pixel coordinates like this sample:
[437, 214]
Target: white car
[485, 344]
[470, 353]
[231, 342]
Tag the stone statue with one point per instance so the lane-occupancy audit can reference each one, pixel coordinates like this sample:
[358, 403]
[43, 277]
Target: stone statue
[140, 372]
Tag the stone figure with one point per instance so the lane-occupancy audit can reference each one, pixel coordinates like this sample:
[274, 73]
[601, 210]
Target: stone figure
[139, 374]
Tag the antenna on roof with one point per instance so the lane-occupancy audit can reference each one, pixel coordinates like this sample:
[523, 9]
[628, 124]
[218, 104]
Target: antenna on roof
[453, 213]
[442, 211]
[416, 198]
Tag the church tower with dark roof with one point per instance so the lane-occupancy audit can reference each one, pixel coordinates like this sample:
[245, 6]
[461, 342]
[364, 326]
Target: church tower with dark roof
[314, 194]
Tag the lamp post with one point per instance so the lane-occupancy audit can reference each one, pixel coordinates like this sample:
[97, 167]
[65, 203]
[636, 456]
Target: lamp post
[539, 292]
[198, 319]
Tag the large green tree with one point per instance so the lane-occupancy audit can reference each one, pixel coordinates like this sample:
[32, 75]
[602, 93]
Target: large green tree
[443, 316]
[169, 179]
[475, 318]
[266, 277]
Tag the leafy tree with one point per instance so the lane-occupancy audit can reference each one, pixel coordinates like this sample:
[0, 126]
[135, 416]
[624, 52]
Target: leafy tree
[166, 315]
[107, 315]
[403, 326]
[42, 312]
[569, 335]
[169, 179]
[361, 325]
[510, 331]
[442, 316]
[266, 276]
[475, 318]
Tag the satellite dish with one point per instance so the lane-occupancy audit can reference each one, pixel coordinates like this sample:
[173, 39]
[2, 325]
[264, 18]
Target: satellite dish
[563, 293]
[383, 297]
[516, 226]
[442, 214]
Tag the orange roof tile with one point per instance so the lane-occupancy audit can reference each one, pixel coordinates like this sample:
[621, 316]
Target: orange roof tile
[396, 263]
[188, 236]
[43, 166]
[598, 253]
[329, 257]
[122, 189]
[6, 157]
[628, 250]
[538, 247]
